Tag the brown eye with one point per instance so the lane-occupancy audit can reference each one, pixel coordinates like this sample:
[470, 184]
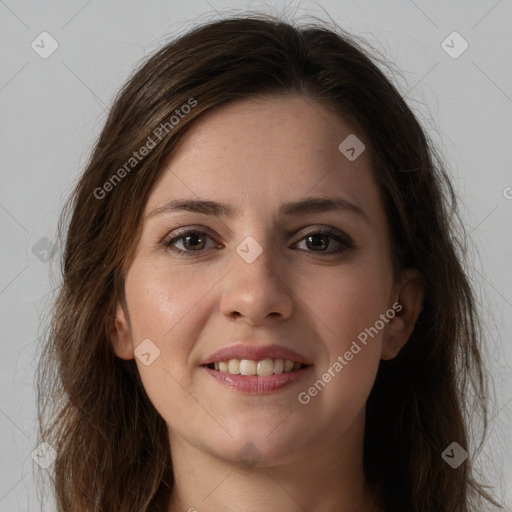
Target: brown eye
[322, 241]
[193, 242]
[317, 242]
[189, 241]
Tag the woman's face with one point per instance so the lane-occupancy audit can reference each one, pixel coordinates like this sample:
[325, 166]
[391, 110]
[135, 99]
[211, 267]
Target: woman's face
[258, 278]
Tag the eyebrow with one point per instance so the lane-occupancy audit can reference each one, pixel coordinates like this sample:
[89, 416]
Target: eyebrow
[304, 206]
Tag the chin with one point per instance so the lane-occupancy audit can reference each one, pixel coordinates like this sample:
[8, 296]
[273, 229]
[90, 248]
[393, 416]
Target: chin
[260, 445]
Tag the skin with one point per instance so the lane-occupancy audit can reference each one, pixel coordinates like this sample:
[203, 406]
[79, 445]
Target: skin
[254, 155]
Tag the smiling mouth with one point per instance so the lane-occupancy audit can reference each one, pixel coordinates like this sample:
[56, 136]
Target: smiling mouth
[260, 368]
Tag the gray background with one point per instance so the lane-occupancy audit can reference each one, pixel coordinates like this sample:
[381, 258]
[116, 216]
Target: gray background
[52, 109]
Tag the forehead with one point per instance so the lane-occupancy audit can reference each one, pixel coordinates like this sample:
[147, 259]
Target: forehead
[259, 153]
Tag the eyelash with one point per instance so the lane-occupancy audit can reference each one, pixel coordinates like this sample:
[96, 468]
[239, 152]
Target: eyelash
[344, 240]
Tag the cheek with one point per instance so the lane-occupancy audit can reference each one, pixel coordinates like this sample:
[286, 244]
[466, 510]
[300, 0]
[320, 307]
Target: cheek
[347, 314]
[162, 305]
[347, 300]
[162, 300]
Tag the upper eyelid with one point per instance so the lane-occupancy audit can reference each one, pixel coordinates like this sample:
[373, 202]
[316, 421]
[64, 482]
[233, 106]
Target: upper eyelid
[200, 228]
[182, 231]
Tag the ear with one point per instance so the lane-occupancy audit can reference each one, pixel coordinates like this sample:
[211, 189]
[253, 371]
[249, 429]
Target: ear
[120, 334]
[408, 303]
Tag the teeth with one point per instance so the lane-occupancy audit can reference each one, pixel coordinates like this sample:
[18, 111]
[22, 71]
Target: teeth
[265, 367]
[262, 368]
[234, 366]
[247, 367]
[279, 366]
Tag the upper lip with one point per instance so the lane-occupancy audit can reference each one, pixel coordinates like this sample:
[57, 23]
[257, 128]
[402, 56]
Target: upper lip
[244, 351]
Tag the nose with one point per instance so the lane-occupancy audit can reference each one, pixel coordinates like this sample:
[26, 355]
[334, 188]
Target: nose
[256, 292]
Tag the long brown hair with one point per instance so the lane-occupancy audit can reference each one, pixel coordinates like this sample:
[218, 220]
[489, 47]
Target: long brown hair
[113, 448]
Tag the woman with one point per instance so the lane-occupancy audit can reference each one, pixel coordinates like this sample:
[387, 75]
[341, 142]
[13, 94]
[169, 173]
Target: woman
[263, 304]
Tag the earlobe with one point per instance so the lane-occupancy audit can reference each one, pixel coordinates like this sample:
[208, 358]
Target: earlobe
[120, 335]
[409, 295]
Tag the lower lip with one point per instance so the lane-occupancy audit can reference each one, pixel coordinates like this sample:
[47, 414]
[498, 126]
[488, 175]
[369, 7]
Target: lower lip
[254, 385]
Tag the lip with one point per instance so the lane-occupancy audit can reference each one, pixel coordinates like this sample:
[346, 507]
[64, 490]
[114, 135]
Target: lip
[256, 385]
[244, 351]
